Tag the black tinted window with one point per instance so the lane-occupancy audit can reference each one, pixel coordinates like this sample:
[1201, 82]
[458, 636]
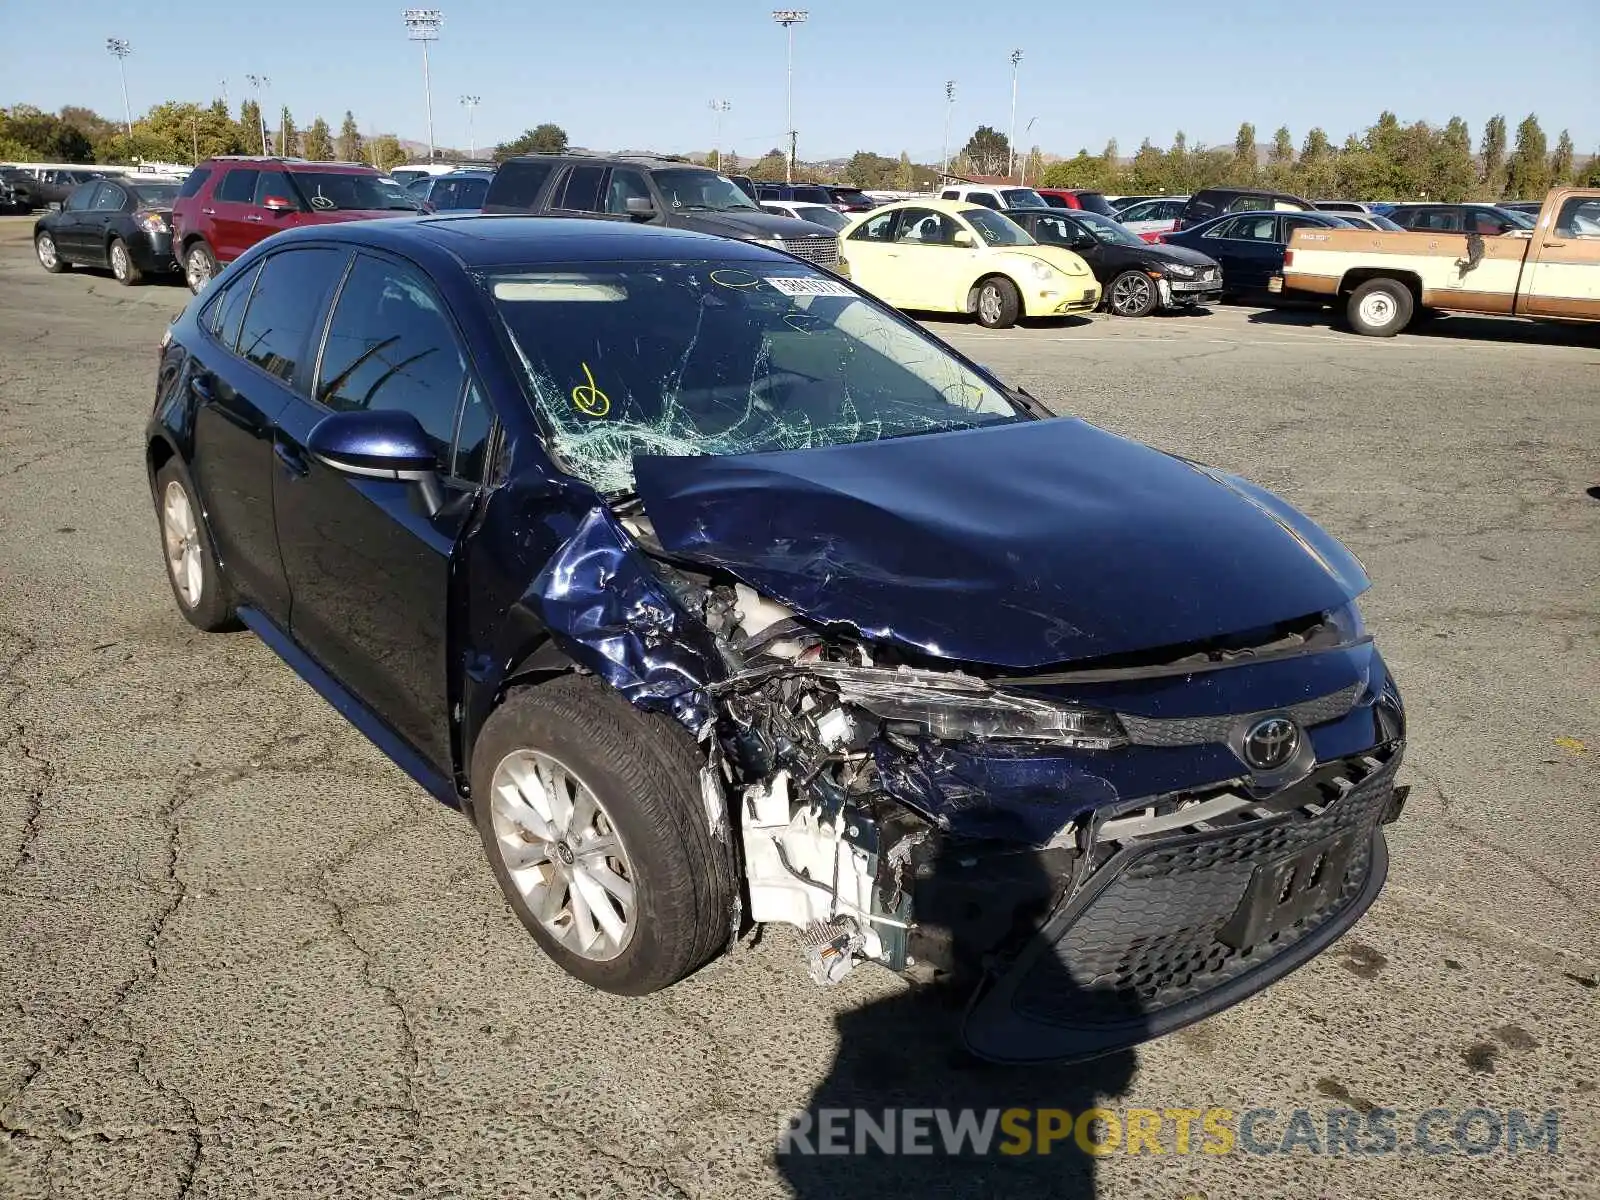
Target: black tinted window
[390, 346]
[109, 198]
[582, 192]
[226, 313]
[273, 183]
[195, 181]
[517, 184]
[286, 306]
[238, 186]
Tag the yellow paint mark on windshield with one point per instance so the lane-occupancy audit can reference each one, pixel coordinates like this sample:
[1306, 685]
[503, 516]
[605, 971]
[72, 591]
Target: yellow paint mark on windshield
[588, 398]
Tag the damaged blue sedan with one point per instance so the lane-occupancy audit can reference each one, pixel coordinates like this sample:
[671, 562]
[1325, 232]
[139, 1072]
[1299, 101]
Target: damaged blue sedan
[716, 592]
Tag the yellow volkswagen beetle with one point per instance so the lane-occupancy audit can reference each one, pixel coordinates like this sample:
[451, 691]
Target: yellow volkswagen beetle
[950, 256]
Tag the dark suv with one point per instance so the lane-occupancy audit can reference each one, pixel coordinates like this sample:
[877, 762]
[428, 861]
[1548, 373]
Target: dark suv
[1459, 218]
[1213, 202]
[669, 192]
[227, 205]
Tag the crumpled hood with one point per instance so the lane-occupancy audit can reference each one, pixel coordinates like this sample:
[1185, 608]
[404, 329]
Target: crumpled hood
[1020, 545]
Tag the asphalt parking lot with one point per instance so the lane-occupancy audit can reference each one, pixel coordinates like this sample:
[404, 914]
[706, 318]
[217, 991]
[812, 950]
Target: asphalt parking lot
[243, 956]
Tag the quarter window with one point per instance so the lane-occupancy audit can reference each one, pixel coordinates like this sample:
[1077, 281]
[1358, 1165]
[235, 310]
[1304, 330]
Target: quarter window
[109, 198]
[226, 313]
[582, 191]
[195, 180]
[238, 187]
[390, 346]
[286, 306]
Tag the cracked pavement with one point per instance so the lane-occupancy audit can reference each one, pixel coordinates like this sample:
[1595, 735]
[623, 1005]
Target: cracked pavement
[243, 956]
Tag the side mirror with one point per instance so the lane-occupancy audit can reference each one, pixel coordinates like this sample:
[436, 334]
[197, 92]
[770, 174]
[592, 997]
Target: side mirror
[279, 204]
[963, 238]
[1082, 242]
[641, 206]
[379, 444]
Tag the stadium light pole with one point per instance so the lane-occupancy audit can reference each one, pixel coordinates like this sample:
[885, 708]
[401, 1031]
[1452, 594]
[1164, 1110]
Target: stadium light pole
[789, 18]
[259, 84]
[470, 103]
[1011, 137]
[422, 25]
[120, 49]
[949, 107]
[720, 107]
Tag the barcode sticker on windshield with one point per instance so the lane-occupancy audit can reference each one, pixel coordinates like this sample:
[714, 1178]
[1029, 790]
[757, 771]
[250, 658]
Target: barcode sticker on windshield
[791, 286]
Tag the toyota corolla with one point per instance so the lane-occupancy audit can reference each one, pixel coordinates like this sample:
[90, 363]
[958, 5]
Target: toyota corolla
[715, 592]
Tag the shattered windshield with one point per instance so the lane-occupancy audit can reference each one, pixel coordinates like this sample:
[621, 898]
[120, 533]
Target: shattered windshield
[723, 358]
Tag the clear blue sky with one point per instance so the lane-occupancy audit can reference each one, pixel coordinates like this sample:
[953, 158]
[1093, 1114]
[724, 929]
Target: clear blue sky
[624, 73]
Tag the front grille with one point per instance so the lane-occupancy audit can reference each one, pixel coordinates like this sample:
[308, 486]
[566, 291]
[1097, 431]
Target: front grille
[824, 251]
[1155, 936]
[1197, 731]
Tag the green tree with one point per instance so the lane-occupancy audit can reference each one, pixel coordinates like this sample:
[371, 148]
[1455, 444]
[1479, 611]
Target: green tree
[1110, 165]
[1454, 173]
[1591, 175]
[288, 136]
[1561, 161]
[384, 151]
[541, 139]
[1148, 172]
[349, 144]
[1414, 161]
[250, 124]
[1316, 174]
[190, 131]
[1083, 170]
[868, 170]
[1244, 170]
[771, 167]
[1180, 164]
[44, 136]
[1280, 160]
[1492, 155]
[318, 143]
[1528, 169]
[90, 123]
[988, 151]
[905, 173]
[1359, 172]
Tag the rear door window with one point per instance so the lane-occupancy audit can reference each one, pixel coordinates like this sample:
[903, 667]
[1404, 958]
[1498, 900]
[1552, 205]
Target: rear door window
[581, 191]
[518, 184]
[238, 186]
[225, 314]
[109, 198]
[195, 181]
[287, 306]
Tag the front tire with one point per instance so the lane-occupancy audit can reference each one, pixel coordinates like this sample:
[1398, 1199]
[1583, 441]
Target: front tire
[1380, 308]
[123, 267]
[592, 817]
[199, 267]
[1132, 294]
[203, 596]
[50, 254]
[999, 303]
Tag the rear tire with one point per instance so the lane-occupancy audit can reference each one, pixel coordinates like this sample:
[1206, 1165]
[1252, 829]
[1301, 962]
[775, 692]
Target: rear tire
[50, 254]
[628, 817]
[123, 267]
[1380, 308]
[199, 267]
[203, 596]
[999, 303]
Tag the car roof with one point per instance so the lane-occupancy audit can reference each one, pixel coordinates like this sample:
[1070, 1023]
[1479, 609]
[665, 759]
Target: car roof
[645, 162]
[944, 206]
[288, 164]
[475, 240]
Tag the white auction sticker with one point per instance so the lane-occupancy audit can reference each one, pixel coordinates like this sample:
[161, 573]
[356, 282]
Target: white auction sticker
[790, 285]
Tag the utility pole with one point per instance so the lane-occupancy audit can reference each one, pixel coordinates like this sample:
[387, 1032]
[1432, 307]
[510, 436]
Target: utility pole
[719, 107]
[949, 107]
[258, 84]
[789, 18]
[470, 103]
[120, 49]
[422, 25]
[1011, 137]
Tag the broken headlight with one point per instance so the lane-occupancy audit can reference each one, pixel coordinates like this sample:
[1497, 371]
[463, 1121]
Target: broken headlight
[955, 707]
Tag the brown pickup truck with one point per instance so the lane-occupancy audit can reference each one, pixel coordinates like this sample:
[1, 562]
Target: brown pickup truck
[1381, 280]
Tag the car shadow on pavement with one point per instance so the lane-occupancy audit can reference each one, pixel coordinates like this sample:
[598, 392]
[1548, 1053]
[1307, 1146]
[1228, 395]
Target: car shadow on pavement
[906, 1053]
[1458, 326]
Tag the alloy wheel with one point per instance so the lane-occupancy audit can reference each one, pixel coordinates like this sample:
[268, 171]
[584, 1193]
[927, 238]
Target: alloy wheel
[120, 262]
[197, 270]
[1130, 294]
[180, 534]
[46, 248]
[989, 303]
[564, 855]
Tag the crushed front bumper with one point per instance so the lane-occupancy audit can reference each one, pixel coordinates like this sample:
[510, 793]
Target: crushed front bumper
[1185, 293]
[1176, 925]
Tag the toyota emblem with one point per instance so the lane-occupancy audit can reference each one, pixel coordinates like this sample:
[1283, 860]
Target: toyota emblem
[1271, 743]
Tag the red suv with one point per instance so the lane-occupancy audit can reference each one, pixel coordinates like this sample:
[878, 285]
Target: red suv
[1078, 198]
[227, 205]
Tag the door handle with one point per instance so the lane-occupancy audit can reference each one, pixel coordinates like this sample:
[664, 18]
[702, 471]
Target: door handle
[1555, 245]
[252, 217]
[210, 212]
[289, 455]
[201, 389]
